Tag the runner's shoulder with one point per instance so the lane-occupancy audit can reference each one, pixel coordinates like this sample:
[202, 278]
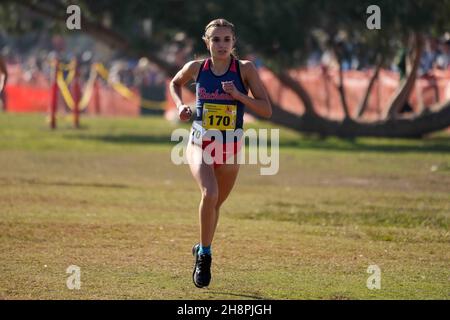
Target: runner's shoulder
[247, 65]
[193, 66]
[247, 69]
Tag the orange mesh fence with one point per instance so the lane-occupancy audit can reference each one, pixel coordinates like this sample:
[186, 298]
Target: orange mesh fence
[322, 87]
[26, 98]
[111, 103]
[34, 96]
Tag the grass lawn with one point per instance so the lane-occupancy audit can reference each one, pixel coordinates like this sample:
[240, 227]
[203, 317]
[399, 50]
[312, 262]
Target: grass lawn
[108, 199]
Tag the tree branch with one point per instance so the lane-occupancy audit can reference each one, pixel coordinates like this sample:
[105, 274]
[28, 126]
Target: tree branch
[298, 89]
[342, 92]
[363, 104]
[404, 91]
[408, 127]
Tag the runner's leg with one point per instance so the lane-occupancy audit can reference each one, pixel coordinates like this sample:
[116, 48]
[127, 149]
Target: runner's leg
[206, 180]
[226, 175]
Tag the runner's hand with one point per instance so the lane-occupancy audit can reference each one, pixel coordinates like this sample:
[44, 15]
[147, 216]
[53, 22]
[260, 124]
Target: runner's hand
[184, 112]
[230, 88]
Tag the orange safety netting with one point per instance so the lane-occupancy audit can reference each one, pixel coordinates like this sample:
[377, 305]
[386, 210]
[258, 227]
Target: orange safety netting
[322, 87]
[34, 95]
[27, 98]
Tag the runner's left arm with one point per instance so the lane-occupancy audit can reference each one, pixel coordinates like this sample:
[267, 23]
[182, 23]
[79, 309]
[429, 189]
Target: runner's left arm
[3, 74]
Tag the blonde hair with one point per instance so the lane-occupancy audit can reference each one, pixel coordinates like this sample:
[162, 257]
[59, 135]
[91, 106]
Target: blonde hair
[220, 23]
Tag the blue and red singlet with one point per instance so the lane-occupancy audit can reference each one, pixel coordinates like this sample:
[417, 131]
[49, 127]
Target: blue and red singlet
[216, 110]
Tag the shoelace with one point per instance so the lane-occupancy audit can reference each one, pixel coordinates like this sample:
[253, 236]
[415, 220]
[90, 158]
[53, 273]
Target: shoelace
[204, 262]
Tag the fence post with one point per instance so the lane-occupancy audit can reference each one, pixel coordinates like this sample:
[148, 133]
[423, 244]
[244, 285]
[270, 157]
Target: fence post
[76, 96]
[54, 96]
[96, 96]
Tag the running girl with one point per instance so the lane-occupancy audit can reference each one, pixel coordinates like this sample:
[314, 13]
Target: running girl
[222, 84]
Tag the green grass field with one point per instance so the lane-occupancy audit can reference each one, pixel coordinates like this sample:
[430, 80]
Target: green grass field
[108, 199]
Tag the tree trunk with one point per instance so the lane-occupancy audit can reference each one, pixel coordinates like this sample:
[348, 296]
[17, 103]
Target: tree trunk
[403, 93]
[363, 105]
[341, 90]
[299, 90]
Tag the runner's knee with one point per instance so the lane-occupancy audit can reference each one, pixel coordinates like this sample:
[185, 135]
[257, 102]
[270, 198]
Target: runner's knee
[210, 195]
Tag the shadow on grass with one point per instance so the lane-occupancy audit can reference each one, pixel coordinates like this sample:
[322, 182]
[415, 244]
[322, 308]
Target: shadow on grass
[427, 145]
[433, 145]
[64, 183]
[127, 139]
[256, 297]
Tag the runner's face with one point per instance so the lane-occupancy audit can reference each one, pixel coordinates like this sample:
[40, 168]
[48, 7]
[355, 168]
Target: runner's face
[220, 42]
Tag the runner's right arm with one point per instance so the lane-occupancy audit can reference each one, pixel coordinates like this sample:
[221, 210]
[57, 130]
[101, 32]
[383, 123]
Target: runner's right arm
[188, 72]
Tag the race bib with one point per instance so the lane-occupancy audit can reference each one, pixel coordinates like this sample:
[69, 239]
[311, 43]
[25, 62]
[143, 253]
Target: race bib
[197, 133]
[219, 116]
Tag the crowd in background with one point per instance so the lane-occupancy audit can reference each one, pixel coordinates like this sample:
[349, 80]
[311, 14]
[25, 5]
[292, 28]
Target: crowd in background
[35, 60]
[435, 55]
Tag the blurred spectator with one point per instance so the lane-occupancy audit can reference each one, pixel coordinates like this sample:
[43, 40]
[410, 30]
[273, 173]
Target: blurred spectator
[429, 55]
[314, 58]
[400, 62]
[31, 69]
[179, 51]
[152, 84]
[443, 58]
[329, 59]
[119, 72]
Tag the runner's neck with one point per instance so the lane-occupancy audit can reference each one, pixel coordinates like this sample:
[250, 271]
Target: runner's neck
[220, 66]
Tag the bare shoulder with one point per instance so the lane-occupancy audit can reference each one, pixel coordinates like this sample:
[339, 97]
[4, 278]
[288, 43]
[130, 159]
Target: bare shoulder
[192, 67]
[194, 63]
[188, 72]
[248, 68]
[247, 65]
